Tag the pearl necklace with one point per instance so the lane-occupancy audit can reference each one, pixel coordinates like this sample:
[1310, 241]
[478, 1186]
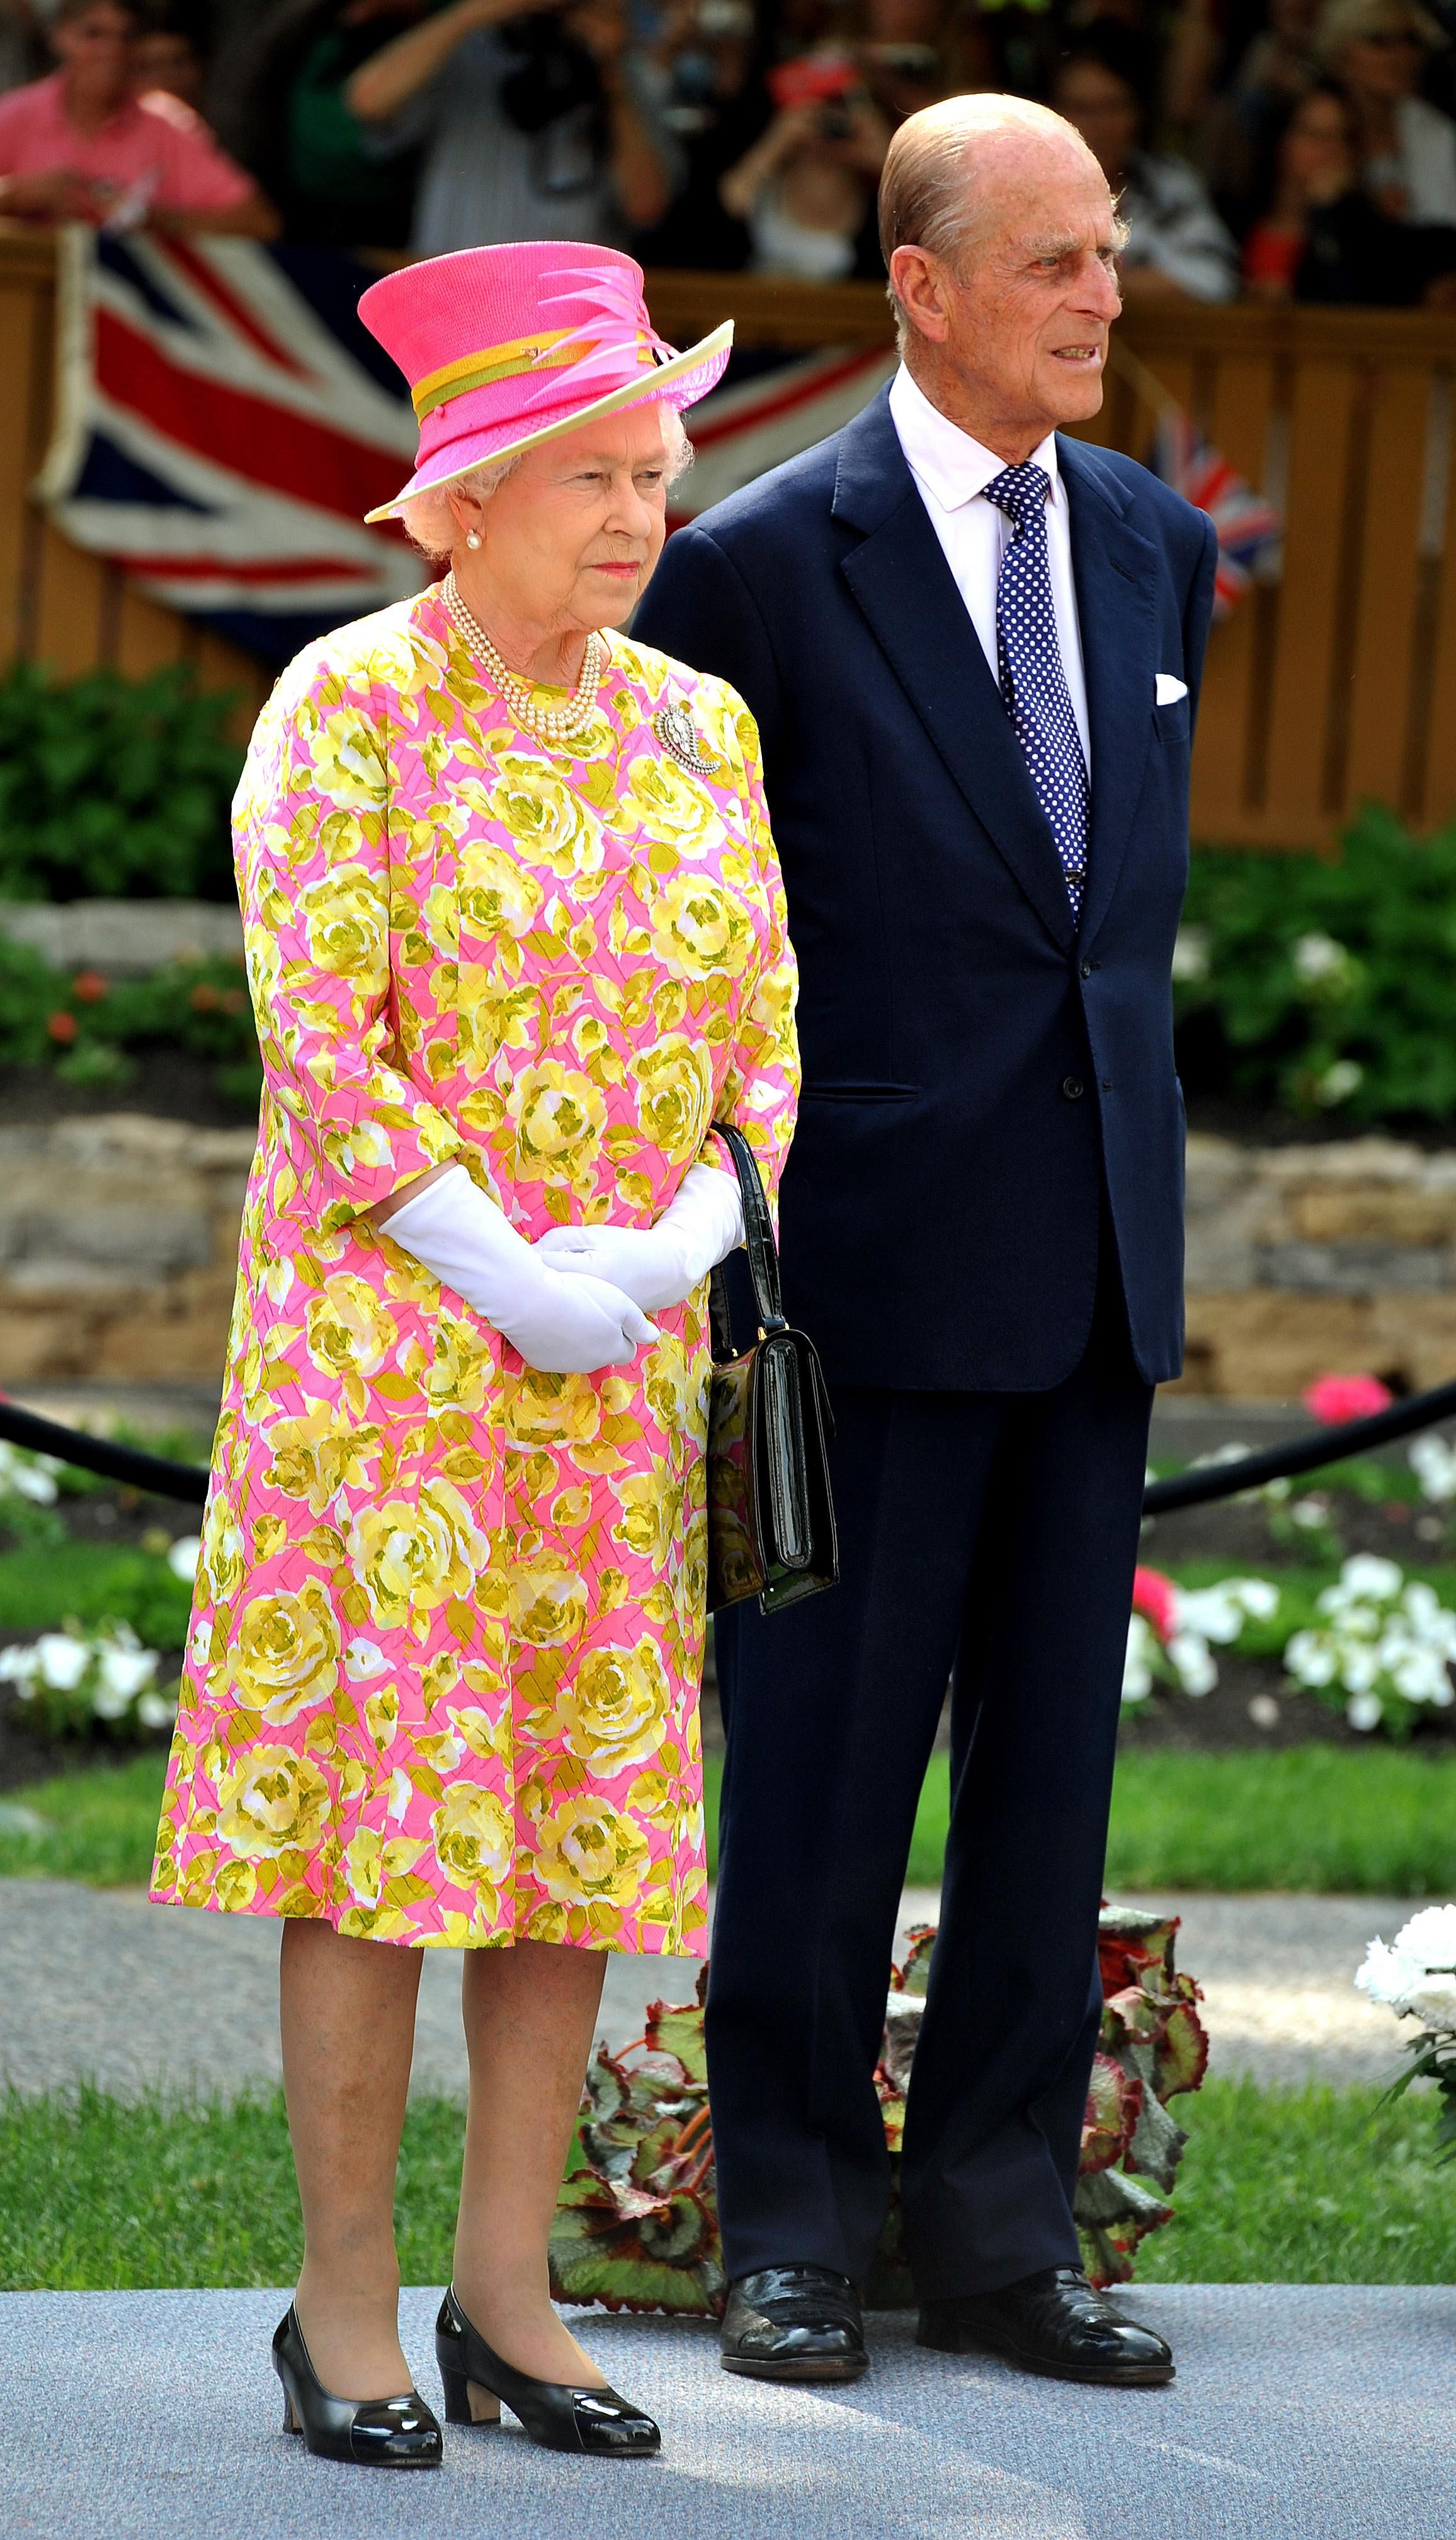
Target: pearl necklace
[548, 722]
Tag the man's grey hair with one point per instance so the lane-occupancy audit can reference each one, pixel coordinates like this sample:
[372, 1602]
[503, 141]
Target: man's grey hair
[431, 524]
[930, 194]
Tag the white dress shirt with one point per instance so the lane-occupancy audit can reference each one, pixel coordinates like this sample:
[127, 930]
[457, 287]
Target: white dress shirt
[953, 472]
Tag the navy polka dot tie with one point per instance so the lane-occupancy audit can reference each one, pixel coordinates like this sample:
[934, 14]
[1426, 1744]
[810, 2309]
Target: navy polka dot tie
[1033, 683]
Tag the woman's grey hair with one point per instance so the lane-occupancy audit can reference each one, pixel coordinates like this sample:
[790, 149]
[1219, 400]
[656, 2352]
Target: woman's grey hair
[933, 194]
[1349, 22]
[431, 526]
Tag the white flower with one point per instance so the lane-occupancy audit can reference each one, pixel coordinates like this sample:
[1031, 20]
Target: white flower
[1320, 957]
[1310, 1658]
[19, 1665]
[1433, 2003]
[1388, 1974]
[1138, 1663]
[61, 1661]
[1221, 1612]
[184, 1555]
[1191, 953]
[1196, 1669]
[26, 1476]
[1337, 1082]
[122, 1668]
[1365, 1711]
[1365, 1573]
[156, 1709]
[1434, 1463]
[1429, 1936]
[1311, 1512]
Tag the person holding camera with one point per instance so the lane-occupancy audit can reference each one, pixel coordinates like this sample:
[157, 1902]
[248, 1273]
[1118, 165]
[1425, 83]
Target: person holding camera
[536, 121]
[805, 190]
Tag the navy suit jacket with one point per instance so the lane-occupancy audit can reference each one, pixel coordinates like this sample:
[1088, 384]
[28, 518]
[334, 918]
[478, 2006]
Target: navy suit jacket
[977, 1069]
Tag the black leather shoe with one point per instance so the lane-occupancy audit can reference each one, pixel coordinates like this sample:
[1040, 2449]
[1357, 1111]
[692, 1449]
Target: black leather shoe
[1053, 2323]
[379, 2433]
[563, 2417]
[794, 2324]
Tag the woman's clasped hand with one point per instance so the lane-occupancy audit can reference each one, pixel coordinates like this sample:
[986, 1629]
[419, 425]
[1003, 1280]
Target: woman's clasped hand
[659, 1265]
[562, 1324]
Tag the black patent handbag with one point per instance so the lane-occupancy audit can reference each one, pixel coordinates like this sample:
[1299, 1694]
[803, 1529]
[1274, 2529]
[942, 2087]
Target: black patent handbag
[771, 1530]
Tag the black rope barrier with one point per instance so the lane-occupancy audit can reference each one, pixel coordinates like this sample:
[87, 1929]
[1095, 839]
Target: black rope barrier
[165, 1478]
[159, 1474]
[1307, 1454]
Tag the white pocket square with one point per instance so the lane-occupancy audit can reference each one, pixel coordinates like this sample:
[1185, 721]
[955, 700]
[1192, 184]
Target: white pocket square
[1169, 689]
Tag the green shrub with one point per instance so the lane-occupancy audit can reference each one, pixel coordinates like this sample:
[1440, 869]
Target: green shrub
[114, 788]
[86, 1026]
[1324, 986]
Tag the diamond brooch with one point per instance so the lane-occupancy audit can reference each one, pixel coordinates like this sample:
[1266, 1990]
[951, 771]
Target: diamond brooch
[674, 727]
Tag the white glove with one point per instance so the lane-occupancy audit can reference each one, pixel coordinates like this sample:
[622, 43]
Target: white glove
[657, 1265]
[564, 1326]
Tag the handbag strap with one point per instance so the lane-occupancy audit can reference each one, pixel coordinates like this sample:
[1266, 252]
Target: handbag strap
[759, 1231]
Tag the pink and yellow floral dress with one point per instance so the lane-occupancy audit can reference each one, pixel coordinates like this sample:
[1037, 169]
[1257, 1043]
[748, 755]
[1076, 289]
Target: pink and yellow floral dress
[442, 1687]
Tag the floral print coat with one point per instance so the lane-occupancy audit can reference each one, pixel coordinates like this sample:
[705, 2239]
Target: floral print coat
[442, 1685]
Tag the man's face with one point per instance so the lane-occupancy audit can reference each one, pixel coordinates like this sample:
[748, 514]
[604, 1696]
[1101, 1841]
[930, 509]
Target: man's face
[96, 50]
[1025, 321]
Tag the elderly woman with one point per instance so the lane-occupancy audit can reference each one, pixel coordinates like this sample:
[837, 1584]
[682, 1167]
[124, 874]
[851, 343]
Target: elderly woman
[516, 937]
[1378, 49]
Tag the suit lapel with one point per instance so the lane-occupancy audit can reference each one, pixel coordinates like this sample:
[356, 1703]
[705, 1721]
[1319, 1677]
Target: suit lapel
[1115, 569]
[903, 585]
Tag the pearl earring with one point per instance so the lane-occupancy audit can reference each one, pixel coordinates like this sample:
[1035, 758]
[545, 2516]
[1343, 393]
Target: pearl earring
[472, 537]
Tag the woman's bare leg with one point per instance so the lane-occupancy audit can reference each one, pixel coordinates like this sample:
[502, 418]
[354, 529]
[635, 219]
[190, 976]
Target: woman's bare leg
[529, 2013]
[348, 2020]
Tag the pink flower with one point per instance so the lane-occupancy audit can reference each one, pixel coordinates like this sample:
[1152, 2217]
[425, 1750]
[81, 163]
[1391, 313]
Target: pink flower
[1333, 1398]
[1155, 1598]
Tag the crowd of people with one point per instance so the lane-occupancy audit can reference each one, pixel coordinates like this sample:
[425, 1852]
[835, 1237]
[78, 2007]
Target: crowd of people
[1276, 149]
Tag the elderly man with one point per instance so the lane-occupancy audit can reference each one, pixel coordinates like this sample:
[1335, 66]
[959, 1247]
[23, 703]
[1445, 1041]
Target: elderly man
[973, 650]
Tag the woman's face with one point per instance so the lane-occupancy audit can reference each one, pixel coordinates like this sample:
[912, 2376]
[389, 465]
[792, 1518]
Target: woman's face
[569, 541]
[1386, 63]
[1317, 156]
[1105, 111]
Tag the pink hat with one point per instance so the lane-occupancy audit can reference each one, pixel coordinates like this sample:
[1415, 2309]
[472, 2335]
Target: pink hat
[503, 346]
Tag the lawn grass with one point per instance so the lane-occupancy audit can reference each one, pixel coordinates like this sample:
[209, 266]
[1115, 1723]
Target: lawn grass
[1308, 2186]
[43, 1586]
[1371, 1820]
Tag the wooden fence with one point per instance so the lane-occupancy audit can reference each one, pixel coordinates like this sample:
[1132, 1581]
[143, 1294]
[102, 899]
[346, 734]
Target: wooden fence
[1334, 681]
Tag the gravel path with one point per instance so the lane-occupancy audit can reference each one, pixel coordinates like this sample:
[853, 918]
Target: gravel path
[99, 1985]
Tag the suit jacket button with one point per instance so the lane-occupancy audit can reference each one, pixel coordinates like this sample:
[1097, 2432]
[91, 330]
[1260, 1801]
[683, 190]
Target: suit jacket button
[1087, 969]
[1073, 1088]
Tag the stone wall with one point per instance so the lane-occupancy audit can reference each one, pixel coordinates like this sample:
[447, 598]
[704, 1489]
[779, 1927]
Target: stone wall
[1304, 1259]
[119, 1251]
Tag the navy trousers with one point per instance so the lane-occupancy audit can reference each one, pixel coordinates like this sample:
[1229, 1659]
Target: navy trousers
[989, 1540]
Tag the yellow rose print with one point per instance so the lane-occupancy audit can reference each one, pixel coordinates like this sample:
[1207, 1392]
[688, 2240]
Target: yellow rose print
[615, 1709]
[413, 1555]
[560, 1115]
[548, 1604]
[699, 928]
[553, 1410]
[284, 1655]
[652, 1507]
[587, 1852]
[350, 1333]
[674, 1095]
[496, 893]
[272, 1801]
[673, 809]
[348, 922]
[550, 823]
[347, 760]
[315, 1455]
[474, 1841]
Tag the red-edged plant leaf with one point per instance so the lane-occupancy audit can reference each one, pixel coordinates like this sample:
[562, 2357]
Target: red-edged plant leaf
[676, 2028]
[633, 2253]
[1113, 2214]
[1114, 2104]
[1182, 2055]
[1132, 1944]
[915, 1974]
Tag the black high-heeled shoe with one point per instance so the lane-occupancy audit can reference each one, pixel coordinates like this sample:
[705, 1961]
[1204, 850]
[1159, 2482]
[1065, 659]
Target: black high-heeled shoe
[384, 2434]
[564, 2418]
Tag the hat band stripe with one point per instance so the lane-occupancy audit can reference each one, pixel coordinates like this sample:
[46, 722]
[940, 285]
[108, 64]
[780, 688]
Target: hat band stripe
[558, 352]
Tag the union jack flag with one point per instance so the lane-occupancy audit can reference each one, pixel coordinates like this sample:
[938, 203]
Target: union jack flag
[223, 423]
[1248, 528]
